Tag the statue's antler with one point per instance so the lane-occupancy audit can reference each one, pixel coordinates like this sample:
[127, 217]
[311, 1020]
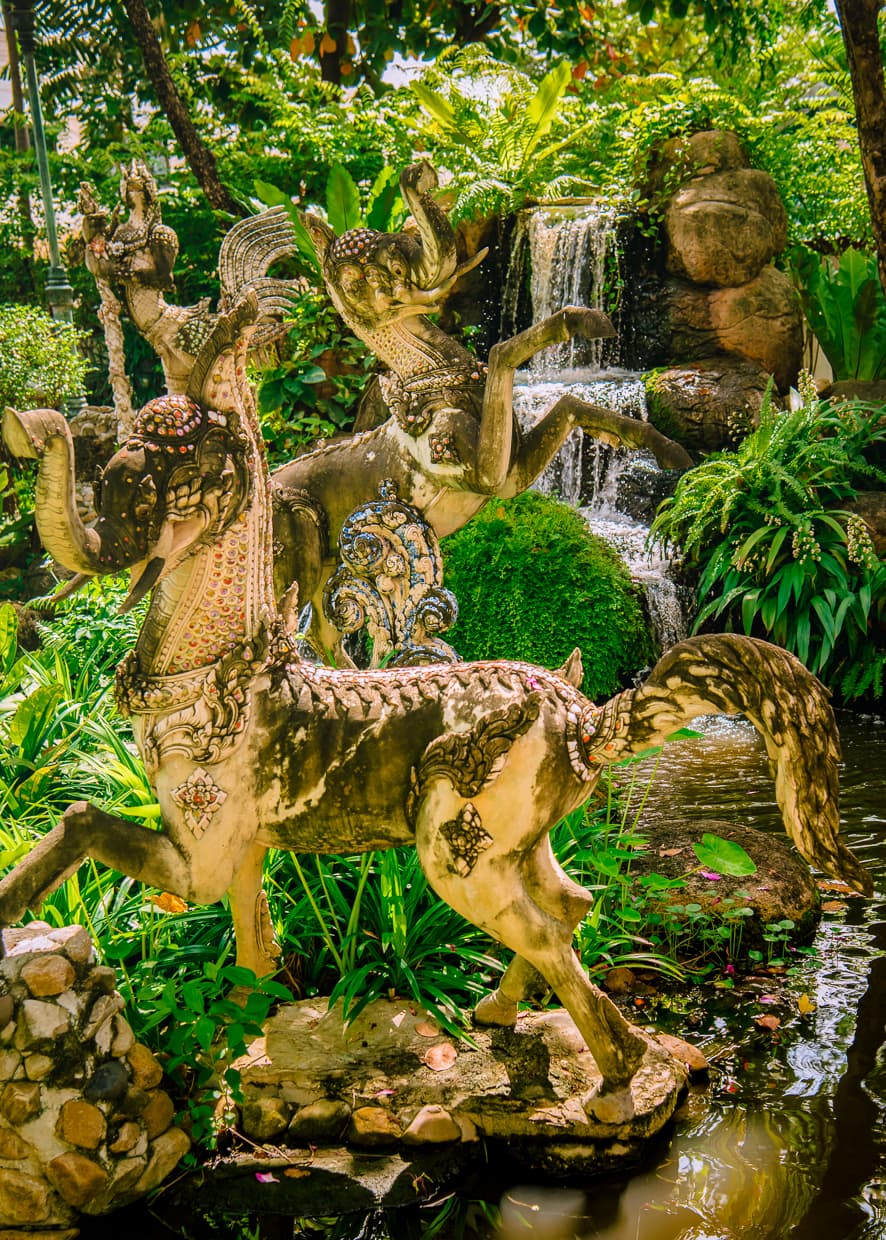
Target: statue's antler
[787, 705]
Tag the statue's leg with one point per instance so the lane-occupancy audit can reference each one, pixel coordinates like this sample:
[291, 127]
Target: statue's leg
[493, 896]
[542, 442]
[257, 948]
[556, 893]
[299, 542]
[85, 831]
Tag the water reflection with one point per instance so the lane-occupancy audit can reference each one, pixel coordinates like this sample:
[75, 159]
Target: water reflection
[791, 1140]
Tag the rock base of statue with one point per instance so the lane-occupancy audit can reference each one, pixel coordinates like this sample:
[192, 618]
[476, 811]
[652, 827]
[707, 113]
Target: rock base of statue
[390, 1108]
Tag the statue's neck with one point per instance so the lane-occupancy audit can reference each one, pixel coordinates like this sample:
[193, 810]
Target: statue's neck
[145, 306]
[414, 346]
[222, 595]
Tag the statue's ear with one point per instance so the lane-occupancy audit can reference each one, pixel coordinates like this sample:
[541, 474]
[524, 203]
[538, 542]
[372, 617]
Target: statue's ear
[320, 233]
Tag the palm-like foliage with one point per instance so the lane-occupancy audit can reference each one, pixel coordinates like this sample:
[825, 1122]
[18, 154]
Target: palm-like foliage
[778, 553]
[496, 123]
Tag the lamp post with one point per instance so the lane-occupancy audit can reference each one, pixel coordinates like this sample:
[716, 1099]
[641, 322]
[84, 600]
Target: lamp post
[59, 294]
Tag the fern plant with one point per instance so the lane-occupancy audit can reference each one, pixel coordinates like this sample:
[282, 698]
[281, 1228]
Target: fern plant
[779, 554]
[492, 126]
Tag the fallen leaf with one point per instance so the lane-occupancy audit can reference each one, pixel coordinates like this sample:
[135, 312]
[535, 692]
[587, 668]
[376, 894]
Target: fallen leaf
[834, 884]
[440, 1057]
[296, 1173]
[769, 998]
[805, 1005]
[670, 852]
[168, 903]
[767, 1022]
[833, 906]
[427, 1029]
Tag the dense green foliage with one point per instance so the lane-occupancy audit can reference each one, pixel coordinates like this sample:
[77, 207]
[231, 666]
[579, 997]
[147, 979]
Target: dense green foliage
[40, 363]
[845, 306]
[778, 554]
[533, 583]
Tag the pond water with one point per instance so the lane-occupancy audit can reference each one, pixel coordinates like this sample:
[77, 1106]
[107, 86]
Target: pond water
[789, 1137]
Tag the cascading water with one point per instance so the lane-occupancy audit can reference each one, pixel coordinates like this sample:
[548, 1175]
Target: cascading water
[616, 491]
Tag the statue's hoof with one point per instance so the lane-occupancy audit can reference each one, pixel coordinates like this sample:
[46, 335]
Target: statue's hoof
[611, 1106]
[495, 1009]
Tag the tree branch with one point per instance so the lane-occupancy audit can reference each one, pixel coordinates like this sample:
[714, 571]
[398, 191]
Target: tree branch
[199, 157]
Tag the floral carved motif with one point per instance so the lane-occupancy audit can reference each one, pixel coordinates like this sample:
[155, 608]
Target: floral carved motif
[466, 838]
[200, 797]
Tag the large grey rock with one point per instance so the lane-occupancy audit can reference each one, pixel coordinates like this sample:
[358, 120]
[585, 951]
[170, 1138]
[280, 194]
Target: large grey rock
[706, 406]
[724, 228]
[759, 321]
[782, 888]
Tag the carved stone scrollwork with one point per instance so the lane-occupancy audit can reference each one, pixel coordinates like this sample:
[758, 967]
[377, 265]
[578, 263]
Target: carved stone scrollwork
[389, 582]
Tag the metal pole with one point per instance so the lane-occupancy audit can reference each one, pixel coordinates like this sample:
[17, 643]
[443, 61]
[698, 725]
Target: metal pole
[59, 294]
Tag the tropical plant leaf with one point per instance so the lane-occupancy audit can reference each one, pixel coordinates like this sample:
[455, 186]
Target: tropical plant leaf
[342, 200]
[724, 856]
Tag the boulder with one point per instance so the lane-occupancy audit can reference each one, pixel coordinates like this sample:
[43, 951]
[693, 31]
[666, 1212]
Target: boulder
[693, 155]
[782, 888]
[759, 321]
[724, 228]
[706, 406]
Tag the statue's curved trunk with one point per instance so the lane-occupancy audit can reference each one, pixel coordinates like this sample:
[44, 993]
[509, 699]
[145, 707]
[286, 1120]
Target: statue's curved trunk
[45, 435]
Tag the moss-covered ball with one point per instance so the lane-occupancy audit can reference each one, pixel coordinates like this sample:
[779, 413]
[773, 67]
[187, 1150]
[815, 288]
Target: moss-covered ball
[533, 582]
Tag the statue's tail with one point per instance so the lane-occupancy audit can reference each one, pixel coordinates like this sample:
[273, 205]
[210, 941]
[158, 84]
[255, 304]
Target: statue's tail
[787, 705]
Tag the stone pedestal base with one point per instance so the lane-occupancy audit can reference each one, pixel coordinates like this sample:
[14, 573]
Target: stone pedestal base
[391, 1103]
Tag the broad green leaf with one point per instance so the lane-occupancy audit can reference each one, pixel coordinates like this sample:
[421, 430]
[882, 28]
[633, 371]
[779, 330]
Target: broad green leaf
[342, 200]
[8, 637]
[543, 107]
[724, 856]
[30, 721]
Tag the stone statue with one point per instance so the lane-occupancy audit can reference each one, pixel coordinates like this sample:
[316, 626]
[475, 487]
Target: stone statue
[136, 256]
[452, 440]
[248, 748]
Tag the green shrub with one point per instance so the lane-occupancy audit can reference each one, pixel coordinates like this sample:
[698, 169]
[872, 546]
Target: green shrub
[40, 363]
[778, 553]
[845, 305]
[532, 582]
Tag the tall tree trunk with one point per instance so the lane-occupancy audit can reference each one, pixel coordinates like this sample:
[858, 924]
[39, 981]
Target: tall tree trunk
[200, 158]
[337, 15]
[858, 21]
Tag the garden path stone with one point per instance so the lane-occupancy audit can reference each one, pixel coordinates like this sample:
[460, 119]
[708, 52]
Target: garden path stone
[522, 1089]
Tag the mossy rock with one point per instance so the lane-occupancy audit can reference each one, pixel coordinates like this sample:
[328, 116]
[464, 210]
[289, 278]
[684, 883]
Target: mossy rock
[533, 582]
[782, 892]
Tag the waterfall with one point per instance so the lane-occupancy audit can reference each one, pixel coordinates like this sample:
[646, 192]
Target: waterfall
[615, 490]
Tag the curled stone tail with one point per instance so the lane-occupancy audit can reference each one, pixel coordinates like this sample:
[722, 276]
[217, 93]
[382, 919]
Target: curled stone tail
[787, 705]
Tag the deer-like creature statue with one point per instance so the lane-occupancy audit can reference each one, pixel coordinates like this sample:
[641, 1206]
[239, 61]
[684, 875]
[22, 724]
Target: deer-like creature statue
[249, 748]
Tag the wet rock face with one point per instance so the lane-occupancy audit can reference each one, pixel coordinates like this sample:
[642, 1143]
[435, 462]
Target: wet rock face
[759, 321]
[707, 290]
[707, 406]
[77, 1133]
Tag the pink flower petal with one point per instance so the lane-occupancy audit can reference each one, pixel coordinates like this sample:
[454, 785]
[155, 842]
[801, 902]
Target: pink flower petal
[711, 874]
[265, 1177]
